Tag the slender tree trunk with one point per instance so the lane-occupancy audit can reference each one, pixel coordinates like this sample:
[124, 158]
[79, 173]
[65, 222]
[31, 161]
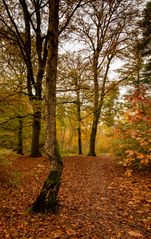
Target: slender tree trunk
[93, 136]
[98, 101]
[79, 129]
[20, 119]
[63, 133]
[77, 86]
[20, 137]
[36, 102]
[47, 199]
[34, 83]
[36, 126]
[79, 141]
[96, 113]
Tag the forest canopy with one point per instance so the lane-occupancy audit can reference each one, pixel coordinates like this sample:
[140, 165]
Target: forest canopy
[104, 46]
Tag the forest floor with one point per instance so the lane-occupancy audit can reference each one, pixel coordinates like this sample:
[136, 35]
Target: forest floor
[98, 200]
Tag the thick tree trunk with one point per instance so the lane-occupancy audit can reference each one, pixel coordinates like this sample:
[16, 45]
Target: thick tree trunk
[47, 199]
[20, 136]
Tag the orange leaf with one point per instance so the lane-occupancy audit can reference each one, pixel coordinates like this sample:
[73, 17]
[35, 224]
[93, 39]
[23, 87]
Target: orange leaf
[135, 233]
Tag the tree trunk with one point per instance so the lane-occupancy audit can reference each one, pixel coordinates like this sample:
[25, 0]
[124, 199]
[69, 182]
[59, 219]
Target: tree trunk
[36, 126]
[79, 130]
[79, 123]
[47, 199]
[20, 136]
[63, 133]
[79, 140]
[93, 136]
[77, 86]
[98, 102]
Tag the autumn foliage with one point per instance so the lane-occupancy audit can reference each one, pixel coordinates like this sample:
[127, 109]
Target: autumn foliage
[136, 128]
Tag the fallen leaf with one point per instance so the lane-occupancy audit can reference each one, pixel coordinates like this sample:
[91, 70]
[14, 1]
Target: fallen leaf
[70, 232]
[135, 233]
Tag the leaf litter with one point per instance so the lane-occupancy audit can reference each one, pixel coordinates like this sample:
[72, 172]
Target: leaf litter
[98, 200]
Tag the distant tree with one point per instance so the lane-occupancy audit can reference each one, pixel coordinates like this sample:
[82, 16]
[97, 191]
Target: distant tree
[73, 83]
[12, 83]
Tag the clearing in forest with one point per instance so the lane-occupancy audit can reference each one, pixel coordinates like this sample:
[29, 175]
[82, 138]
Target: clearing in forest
[98, 200]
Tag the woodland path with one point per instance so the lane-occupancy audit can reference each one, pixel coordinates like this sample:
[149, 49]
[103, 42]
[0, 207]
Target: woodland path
[98, 200]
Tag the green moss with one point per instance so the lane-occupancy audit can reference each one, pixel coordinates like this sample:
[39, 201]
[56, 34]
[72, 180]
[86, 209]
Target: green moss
[53, 178]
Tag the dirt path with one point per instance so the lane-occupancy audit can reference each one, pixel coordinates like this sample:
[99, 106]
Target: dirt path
[98, 201]
[103, 201]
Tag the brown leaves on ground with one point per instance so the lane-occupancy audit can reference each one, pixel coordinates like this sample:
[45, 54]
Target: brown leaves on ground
[97, 201]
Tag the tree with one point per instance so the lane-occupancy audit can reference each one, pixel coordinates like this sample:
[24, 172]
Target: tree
[133, 126]
[104, 28]
[139, 126]
[25, 30]
[47, 199]
[28, 29]
[72, 84]
[15, 102]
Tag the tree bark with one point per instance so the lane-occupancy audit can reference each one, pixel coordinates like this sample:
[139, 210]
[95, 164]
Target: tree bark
[36, 126]
[79, 140]
[77, 86]
[98, 101]
[79, 124]
[47, 200]
[20, 137]
[93, 135]
[96, 111]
